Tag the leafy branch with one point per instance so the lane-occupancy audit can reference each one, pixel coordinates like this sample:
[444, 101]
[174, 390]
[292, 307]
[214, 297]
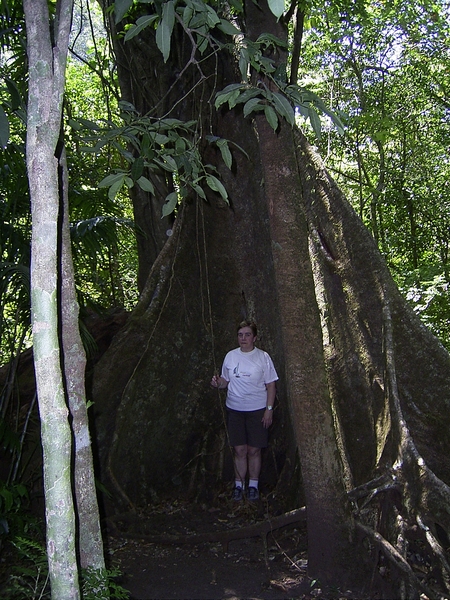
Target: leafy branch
[156, 146]
[199, 20]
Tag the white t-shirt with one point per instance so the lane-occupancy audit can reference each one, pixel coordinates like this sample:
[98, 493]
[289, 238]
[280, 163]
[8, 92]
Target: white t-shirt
[247, 374]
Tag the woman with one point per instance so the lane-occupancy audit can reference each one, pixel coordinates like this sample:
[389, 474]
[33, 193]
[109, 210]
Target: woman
[249, 375]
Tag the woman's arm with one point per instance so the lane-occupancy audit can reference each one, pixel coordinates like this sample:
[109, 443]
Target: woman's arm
[271, 391]
[268, 413]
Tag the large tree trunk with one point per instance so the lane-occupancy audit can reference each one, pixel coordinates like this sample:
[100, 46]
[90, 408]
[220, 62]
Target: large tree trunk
[332, 548]
[331, 534]
[201, 284]
[366, 385]
[214, 270]
[388, 378]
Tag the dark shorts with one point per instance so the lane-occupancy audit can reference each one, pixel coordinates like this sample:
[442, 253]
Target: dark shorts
[246, 428]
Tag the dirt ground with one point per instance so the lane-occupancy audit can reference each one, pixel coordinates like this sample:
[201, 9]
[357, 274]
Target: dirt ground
[161, 555]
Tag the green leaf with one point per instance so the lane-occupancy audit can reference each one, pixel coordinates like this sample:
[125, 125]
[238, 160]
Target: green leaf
[217, 186]
[8, 499]
[21, 490]
[252, 105]
[199, 191]
[137, 168]
[180, 144]
[188, 13]
[89, 124]
[115, 188]
[172, 123]
[4, 128]
[202, 40]
[111, 179]
[276, 7]
[268, 64]
[247, 94]
[334, 117]
[228, 28]
[165, 28]
[315, 122]
[168, 164]
[237, 5]
[269, 40]
[228, 95]
[121, 7]
[169, 14]
[284, 108]
[161, 139]
[233, 98]
[141, 24]
[171, 164]
[211, 18]
[271, 117]
[230, 88]
[225, 151]
[127, 106]
[16, 99]
[244, 60]
[146, 185]
[170, 204]
[303, 109]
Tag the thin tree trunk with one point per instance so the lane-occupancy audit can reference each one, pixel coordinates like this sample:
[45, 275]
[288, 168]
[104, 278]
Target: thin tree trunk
[46, 85]
[89, 533]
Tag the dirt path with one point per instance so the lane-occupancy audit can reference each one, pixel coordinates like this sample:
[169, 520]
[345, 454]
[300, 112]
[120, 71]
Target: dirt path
[260, 567]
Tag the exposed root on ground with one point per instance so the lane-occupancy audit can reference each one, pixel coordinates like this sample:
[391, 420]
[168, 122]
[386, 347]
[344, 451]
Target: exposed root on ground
[136, 530]
[412, 503]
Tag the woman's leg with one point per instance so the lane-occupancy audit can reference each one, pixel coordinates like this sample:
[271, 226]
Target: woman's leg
[240, 463]
[254, 462]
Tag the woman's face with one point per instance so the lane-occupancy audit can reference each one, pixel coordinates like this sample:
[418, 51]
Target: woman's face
[246, 339]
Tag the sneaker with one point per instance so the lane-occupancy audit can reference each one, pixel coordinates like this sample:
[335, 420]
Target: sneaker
[238, 494]
[253, 494]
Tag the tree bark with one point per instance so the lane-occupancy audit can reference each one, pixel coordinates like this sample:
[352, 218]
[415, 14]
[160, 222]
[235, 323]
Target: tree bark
[90, 543]
[46, 86]
[332, 549]
[387, 374]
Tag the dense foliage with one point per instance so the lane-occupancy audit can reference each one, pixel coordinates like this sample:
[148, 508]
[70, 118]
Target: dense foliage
[381, 68]
[384, 69]
[102, 229]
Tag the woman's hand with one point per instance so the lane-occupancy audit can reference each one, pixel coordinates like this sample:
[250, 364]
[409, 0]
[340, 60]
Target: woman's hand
[219, 382]
[267, 418]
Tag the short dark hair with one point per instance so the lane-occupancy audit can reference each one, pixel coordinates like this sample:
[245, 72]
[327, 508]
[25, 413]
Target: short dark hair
[248, 323]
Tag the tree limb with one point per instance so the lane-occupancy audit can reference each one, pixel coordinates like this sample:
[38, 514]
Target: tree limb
[394, 556]
[262, 528]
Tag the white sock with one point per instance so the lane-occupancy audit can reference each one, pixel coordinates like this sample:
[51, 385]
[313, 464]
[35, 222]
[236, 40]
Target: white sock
[253, 483]
[238, 483]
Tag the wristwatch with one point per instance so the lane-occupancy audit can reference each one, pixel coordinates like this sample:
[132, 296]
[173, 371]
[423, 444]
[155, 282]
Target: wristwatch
[269, 407]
